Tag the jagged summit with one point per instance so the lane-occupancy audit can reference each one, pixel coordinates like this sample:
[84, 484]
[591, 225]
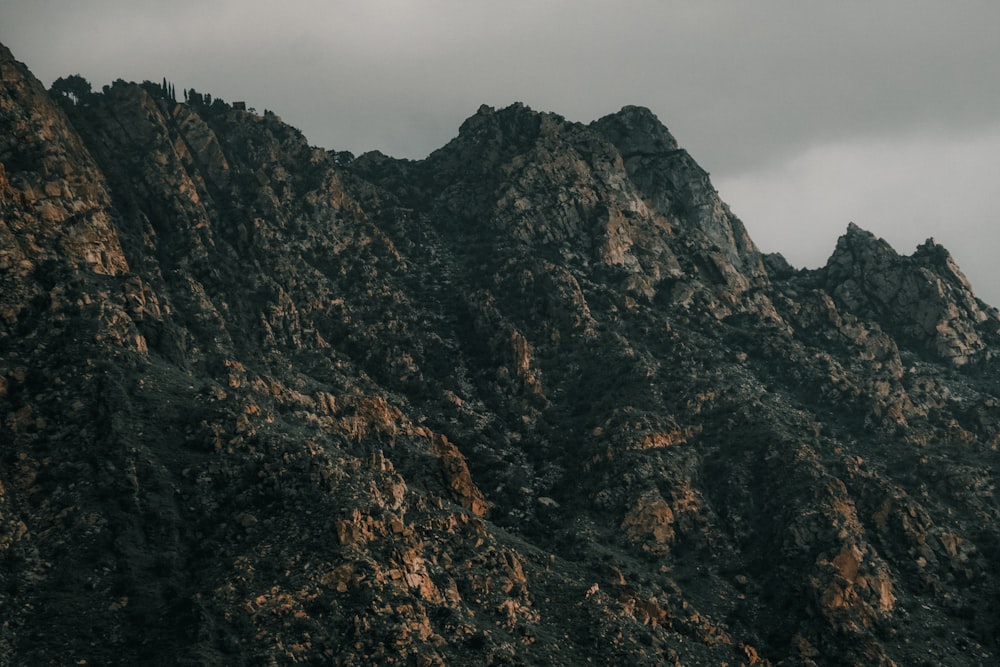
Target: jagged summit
[633, 129]
[535, 399]
[618, 193]
[924, 298]
[513, 124]
[636, 131]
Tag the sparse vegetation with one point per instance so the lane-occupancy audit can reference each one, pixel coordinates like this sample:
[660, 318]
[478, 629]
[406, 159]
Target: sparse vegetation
[522, 402]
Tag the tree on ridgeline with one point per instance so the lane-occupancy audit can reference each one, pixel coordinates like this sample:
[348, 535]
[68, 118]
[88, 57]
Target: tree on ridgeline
[73, 88]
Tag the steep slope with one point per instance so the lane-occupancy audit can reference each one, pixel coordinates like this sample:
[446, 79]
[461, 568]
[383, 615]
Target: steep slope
[537, 399]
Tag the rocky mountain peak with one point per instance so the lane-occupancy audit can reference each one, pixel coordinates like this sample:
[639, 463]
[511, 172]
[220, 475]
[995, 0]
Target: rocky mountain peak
[615, 193]
[490, 135]
[858, 246]
[536, 399]
[636, 130]
[925, 299]
[674, 186]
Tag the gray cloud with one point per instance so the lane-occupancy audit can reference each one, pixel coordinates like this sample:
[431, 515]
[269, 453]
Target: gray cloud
[757, 91]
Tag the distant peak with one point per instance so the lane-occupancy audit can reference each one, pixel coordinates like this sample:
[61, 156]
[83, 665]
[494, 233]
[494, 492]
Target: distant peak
[485, 112]
[513, 108]
[856, 239]
[932, 250]
[858, 243]
[636, 130]
[858, 234]
[637, 112]
[512, 124]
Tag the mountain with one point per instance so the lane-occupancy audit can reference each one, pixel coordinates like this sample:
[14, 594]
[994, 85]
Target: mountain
[537, 399]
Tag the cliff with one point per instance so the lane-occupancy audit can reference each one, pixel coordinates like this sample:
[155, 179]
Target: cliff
[536, 399]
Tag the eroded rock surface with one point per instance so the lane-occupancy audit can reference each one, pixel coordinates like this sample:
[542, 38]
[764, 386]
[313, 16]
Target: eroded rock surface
[537, 399]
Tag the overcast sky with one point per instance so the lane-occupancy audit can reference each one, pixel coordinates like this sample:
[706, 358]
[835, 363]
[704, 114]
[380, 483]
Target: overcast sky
[809, 115]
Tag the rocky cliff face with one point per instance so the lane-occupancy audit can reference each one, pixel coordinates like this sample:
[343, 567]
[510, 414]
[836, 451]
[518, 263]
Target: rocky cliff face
[536, 399]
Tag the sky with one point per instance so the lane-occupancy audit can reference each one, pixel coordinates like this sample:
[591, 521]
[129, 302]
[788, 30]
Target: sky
[809, 115]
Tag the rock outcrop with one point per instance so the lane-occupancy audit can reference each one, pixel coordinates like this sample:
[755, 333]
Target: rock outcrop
[536, 399]
[925, 299]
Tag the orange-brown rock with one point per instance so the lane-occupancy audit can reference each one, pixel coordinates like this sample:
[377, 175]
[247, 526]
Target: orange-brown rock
[535, 399]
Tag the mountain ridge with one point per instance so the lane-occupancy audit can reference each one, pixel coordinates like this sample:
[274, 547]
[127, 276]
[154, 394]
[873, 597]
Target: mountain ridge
[535, 399]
